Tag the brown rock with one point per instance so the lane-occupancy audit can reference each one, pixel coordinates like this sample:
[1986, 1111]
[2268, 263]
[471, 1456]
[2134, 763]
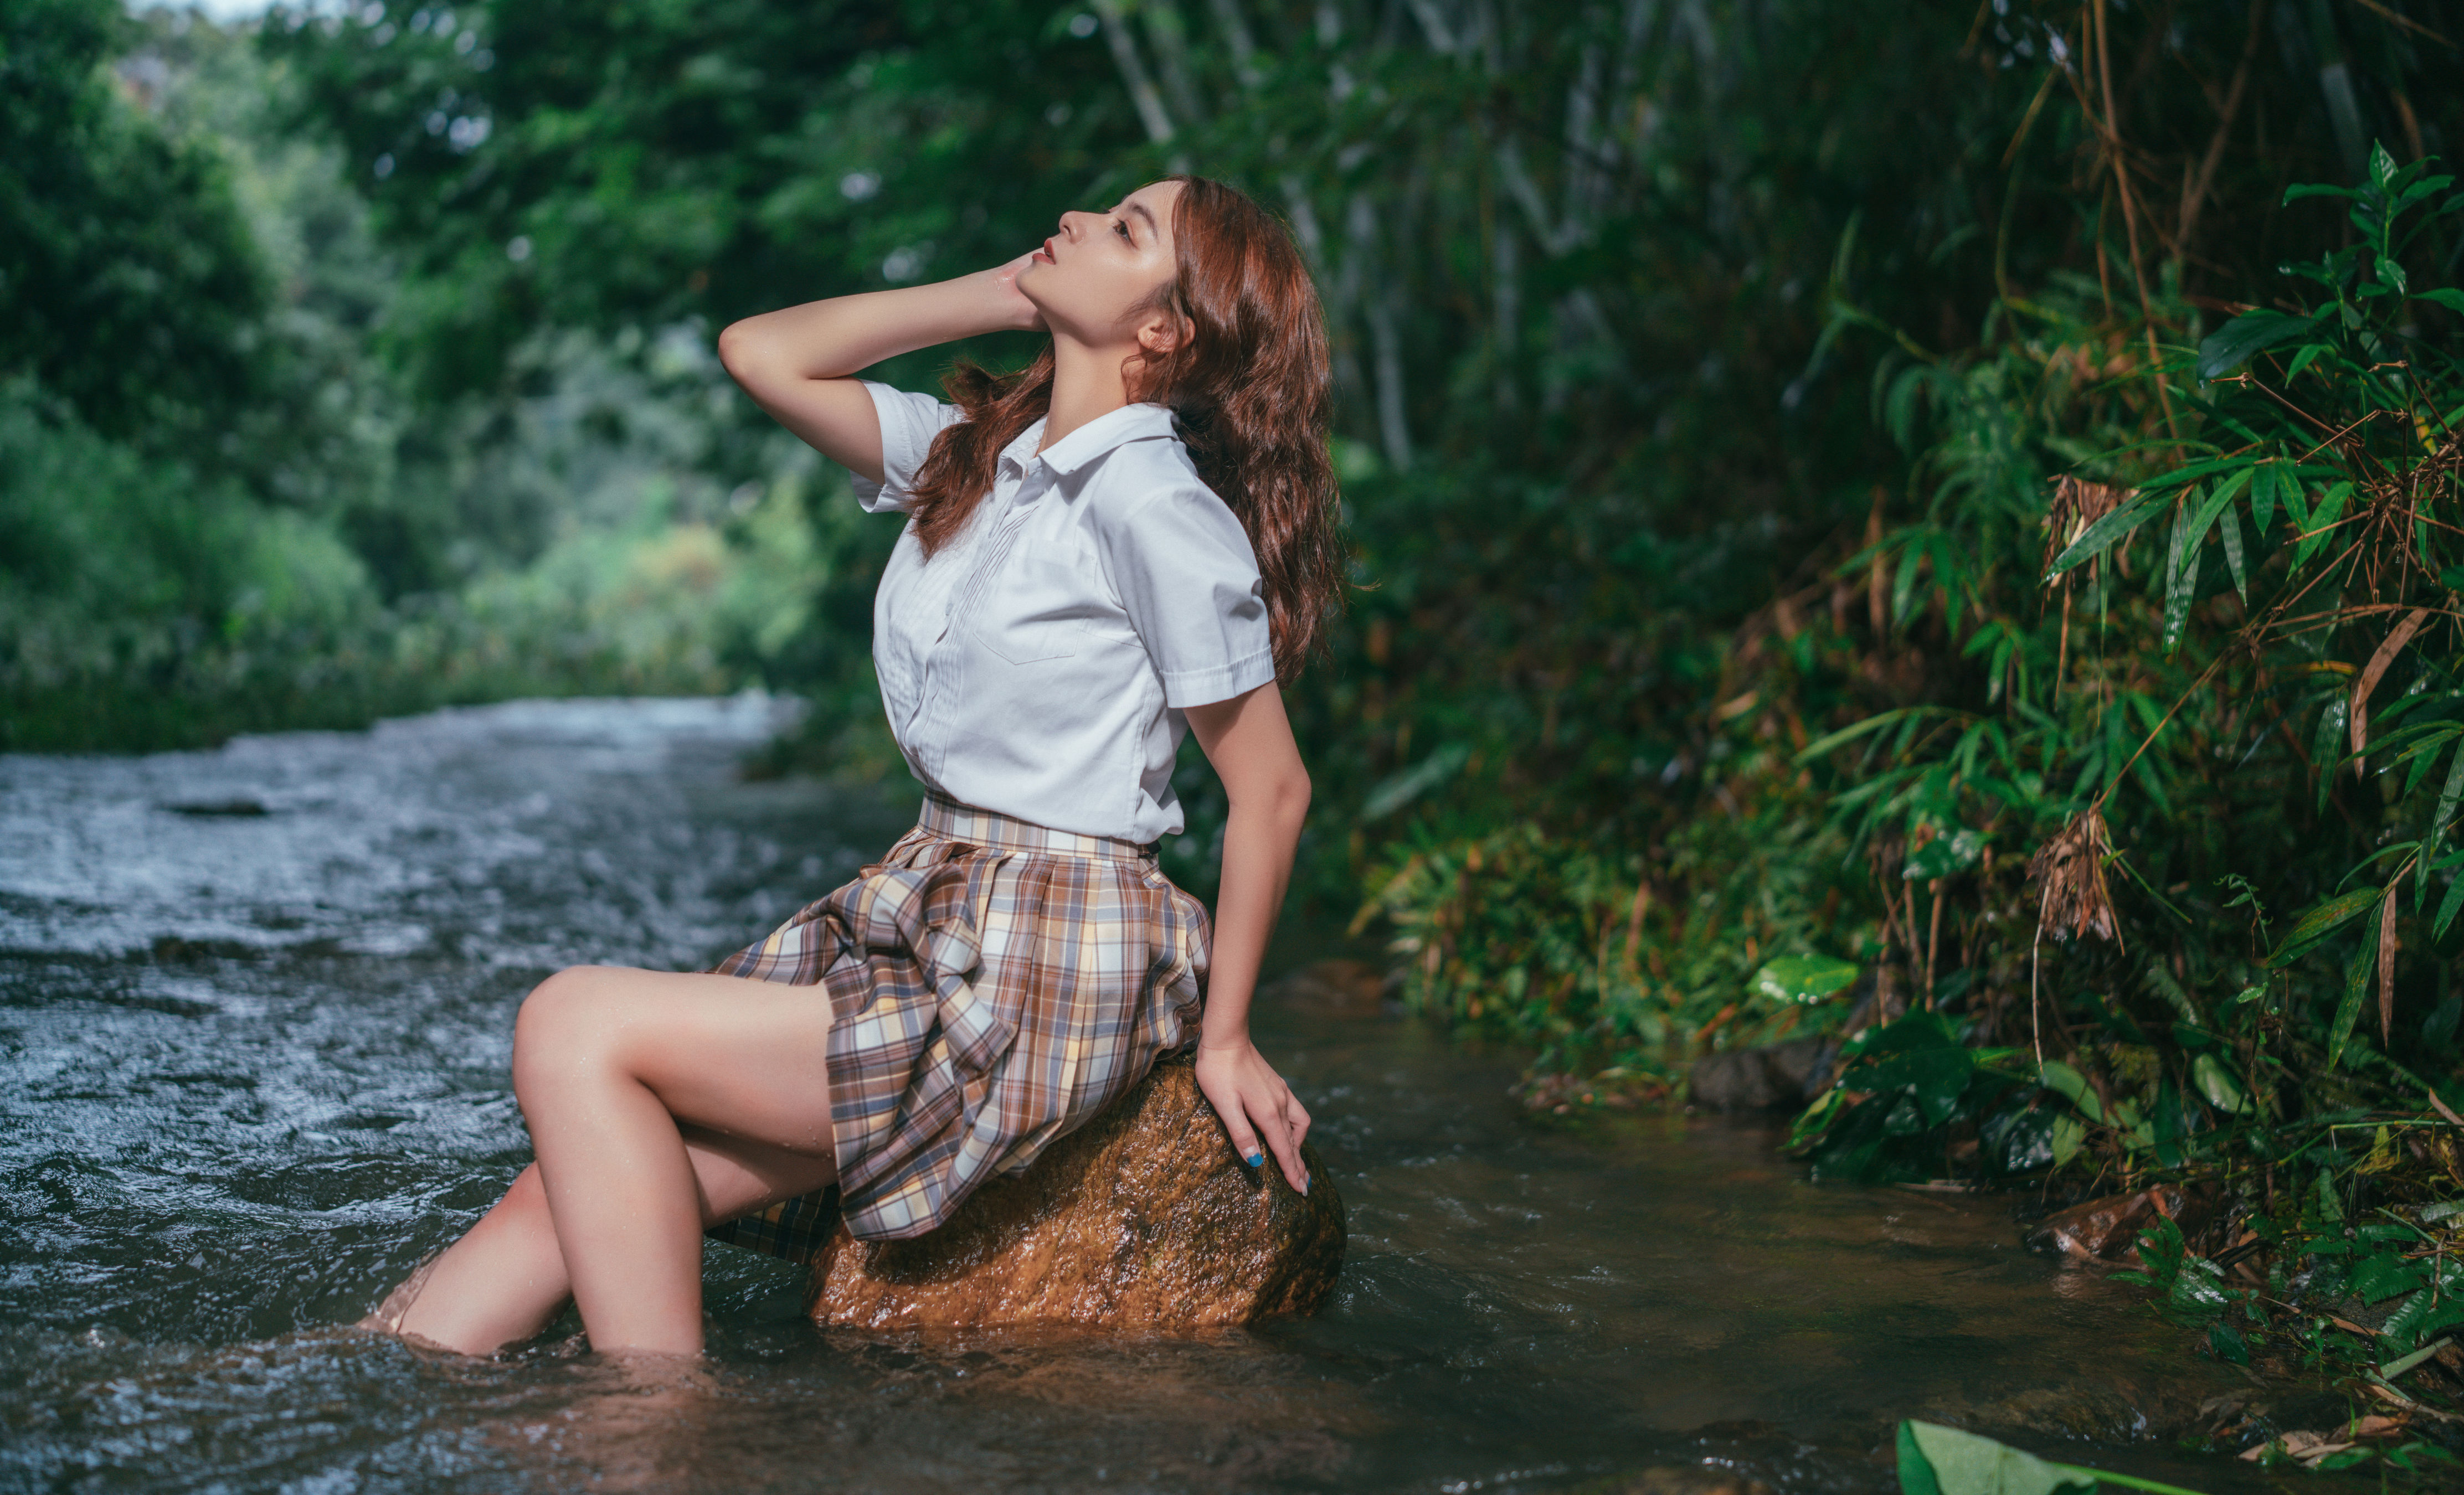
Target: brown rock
[1776, 1077]
[2108, 1229]
[1142, 1218]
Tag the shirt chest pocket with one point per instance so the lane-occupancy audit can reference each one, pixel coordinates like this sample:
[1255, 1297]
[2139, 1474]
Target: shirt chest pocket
[1040, 605]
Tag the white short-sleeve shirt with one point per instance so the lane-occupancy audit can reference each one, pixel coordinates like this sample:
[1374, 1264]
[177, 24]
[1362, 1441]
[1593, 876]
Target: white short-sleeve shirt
[1039, 663]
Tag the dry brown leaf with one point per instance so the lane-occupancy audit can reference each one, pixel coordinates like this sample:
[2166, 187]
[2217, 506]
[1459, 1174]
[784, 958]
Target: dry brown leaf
[2069, 871]
[2392, 646]
[2307, 1447]
[2077, 503]
[2386, 961]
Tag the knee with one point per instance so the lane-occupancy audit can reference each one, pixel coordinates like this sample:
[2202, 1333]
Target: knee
[563, 1029]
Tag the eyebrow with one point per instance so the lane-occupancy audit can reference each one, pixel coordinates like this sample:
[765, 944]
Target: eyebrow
[1141, 209]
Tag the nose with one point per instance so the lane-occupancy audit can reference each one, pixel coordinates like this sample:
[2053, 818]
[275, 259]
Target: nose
[1071, 221]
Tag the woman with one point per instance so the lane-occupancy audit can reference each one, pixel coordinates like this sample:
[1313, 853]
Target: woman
[1135, 533]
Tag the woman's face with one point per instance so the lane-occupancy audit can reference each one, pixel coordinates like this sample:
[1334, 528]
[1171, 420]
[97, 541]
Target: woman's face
[1095, 279]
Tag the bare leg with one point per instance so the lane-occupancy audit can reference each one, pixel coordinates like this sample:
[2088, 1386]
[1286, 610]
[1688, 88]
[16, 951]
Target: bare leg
[505, 1279]
[612, 1067]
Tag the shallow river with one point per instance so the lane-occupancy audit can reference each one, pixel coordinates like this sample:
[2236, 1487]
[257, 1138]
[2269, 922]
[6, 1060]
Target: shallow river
[255, 1011]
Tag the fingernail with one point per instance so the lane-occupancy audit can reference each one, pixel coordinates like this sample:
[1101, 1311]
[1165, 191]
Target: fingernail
[1304, 1183]
[1254, 1160]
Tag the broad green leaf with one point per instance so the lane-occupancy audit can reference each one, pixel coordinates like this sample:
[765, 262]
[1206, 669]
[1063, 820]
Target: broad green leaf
[2101, 536]
[1969, 1463]
[1805, 978]
[2324, 920]
[2232, 344]
[1916, 1474]
[2218, 1085]
[2064, 1081]
[2447, 296]
[1935, 1077]
[2066, 1136]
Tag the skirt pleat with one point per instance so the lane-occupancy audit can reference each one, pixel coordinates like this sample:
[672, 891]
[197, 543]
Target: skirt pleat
[993, 984]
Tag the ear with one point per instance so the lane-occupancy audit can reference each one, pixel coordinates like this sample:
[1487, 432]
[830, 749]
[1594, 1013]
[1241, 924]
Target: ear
[1162, 330]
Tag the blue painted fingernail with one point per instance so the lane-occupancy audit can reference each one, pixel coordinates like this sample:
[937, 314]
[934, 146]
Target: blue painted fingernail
[1255, 1159]
[1304, 1183]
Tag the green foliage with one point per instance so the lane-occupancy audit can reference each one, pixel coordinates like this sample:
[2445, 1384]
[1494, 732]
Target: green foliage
[1611, 960]
[1934, 1459]
[129, 285]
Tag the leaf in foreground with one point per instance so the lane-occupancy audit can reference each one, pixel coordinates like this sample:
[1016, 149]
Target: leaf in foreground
[1805, 978]
[1942, 1461]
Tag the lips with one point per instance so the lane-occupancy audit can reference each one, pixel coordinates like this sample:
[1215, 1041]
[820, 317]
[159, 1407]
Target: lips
[1045, 254]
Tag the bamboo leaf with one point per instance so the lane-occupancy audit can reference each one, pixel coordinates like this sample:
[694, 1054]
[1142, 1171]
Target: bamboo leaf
[2263, 489]
[2323, 756]
[2448, 908]
[2296, 505]
[2323, 522]
[2448, 797]
[1904, 586]
[2348, 1012]
[1822, 745]
[2324, 920]
[2232, 557]
[2101, 536]
[2181, 576]
[2232, 344]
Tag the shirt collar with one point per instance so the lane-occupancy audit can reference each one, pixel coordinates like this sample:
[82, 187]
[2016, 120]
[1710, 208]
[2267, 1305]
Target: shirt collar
[1100, 436]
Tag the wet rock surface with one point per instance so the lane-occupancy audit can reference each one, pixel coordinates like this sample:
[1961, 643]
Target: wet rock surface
[1140, 1219]
[1776, 1077]
[2107, 1229]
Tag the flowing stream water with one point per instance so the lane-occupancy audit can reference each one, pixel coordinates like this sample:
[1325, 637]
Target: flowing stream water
[255, 1015]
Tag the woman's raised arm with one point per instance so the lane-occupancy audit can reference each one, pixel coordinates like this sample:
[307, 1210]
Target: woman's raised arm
[797, 363]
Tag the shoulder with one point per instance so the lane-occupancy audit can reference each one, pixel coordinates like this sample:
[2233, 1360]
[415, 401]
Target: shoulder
[1154, 482]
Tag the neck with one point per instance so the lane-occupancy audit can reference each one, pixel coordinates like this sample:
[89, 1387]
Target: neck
[1087, 386]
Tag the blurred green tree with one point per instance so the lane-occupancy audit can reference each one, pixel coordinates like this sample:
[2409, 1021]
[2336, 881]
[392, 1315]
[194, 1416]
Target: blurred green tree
[130, 289]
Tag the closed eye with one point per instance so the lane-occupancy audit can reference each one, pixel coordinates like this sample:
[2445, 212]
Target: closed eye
[1121, 227]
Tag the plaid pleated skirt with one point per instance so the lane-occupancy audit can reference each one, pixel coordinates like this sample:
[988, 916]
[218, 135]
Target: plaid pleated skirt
[991, 983]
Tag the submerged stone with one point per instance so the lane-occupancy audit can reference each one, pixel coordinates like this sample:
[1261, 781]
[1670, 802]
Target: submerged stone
[1142, 1220]
[1775, 1077]
[2108, 1229]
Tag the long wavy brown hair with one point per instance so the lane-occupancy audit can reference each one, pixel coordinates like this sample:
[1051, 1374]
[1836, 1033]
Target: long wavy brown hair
[1248, 391]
